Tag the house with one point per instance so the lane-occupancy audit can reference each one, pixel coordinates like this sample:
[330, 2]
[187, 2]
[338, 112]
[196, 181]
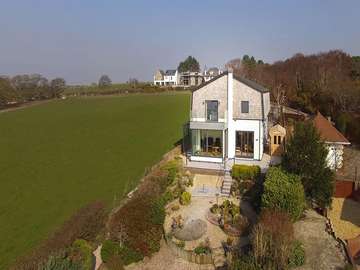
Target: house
[333, 139]
[171, 77]
[168, 78]
[159, 78]
[211, 73]
[228, 120]
[190, 78]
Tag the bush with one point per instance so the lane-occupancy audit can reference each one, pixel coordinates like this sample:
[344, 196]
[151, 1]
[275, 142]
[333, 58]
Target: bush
[173, 168]
[185, 198]
[84, 251]
[158, 208]
[109, 249]
[272, 240]
[115, 263]
[284, 192]
[297, 255]
[245, 262]
[85, 224]
[245, 172]
[59, 262]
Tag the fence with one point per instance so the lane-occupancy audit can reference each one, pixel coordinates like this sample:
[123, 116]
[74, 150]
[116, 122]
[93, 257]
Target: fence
[344, 189]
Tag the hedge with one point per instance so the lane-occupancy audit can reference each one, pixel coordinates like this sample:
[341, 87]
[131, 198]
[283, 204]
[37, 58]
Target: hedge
[245, 172]
[283, 191]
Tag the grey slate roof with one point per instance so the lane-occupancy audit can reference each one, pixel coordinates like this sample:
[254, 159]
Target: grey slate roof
[170, 72]
[241, 79]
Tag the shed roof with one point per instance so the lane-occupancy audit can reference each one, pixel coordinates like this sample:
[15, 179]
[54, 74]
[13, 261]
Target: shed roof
[327, 131]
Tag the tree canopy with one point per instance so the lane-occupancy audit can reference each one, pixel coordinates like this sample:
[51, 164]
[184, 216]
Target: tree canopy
[306, 156]
[104, 81]
[190, 64]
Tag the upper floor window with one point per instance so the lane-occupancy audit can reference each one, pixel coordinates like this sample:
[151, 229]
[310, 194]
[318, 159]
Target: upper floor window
[212, 110]
[244, 106]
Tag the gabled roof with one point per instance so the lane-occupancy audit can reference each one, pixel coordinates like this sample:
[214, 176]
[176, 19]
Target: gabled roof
[170, 72]
[327, 131]
[241, 79]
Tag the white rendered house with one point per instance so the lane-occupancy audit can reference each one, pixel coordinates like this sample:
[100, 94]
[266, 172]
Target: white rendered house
[228, 120]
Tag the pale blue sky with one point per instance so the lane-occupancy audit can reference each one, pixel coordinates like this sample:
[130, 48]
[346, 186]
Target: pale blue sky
[82, 39]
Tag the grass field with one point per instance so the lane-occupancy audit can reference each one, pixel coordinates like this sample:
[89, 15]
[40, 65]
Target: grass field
[58, 156]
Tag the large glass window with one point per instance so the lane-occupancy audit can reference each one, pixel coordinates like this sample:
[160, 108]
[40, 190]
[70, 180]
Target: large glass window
[212, 110]
[244, 144]
[206, 143]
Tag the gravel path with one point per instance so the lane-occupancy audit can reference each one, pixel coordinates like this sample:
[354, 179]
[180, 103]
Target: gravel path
[165, 260]
[322, 251]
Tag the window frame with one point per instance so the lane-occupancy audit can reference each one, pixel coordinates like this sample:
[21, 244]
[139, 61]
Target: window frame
[242, 107]
[207, 112]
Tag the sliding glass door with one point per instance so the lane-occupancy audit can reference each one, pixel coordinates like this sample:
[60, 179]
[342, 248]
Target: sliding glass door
[244, 144]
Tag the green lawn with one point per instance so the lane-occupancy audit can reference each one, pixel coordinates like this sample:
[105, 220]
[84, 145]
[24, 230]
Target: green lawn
[58, 156]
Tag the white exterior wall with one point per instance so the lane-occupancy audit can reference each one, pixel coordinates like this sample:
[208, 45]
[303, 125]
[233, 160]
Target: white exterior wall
[229, 112]
[171, 79]
[335, 156]
[246, 125]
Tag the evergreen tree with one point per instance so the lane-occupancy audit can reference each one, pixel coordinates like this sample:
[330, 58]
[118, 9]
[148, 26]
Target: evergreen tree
[190, 64]
[306, 156]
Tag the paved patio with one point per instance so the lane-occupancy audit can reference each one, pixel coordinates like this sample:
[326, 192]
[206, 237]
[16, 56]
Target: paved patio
[264, 163]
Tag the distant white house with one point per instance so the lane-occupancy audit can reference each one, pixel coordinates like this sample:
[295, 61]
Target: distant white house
[334, 141]
[173, 77]
[211, 73]
[168, 78]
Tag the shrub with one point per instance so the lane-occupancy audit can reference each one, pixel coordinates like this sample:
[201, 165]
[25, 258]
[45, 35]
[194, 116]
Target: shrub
[83, 250]
[284, 192]
[109, 248]
[245, 262]
[173, 168]
[185, 198]
[245, 172]
[59, 262]
[158, 208]
[297, 255]
[115, 263]
[272, 240]
[85, 224]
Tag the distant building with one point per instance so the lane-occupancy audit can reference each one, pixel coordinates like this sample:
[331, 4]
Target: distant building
[191, 78]
[168, 78]
[173, 77]
[159, 78]
[211, 73]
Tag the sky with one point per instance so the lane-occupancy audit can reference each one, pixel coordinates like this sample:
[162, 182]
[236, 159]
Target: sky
[80, 40]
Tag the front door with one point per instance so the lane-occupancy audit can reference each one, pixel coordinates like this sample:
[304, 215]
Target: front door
[244, 144]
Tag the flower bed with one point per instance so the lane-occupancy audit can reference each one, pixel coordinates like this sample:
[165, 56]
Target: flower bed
[228, 217]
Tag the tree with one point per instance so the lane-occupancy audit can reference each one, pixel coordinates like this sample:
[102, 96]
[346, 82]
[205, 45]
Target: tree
[104, 81]
[306, 156]
[7, 92]
[57, 86]
[190, 64]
